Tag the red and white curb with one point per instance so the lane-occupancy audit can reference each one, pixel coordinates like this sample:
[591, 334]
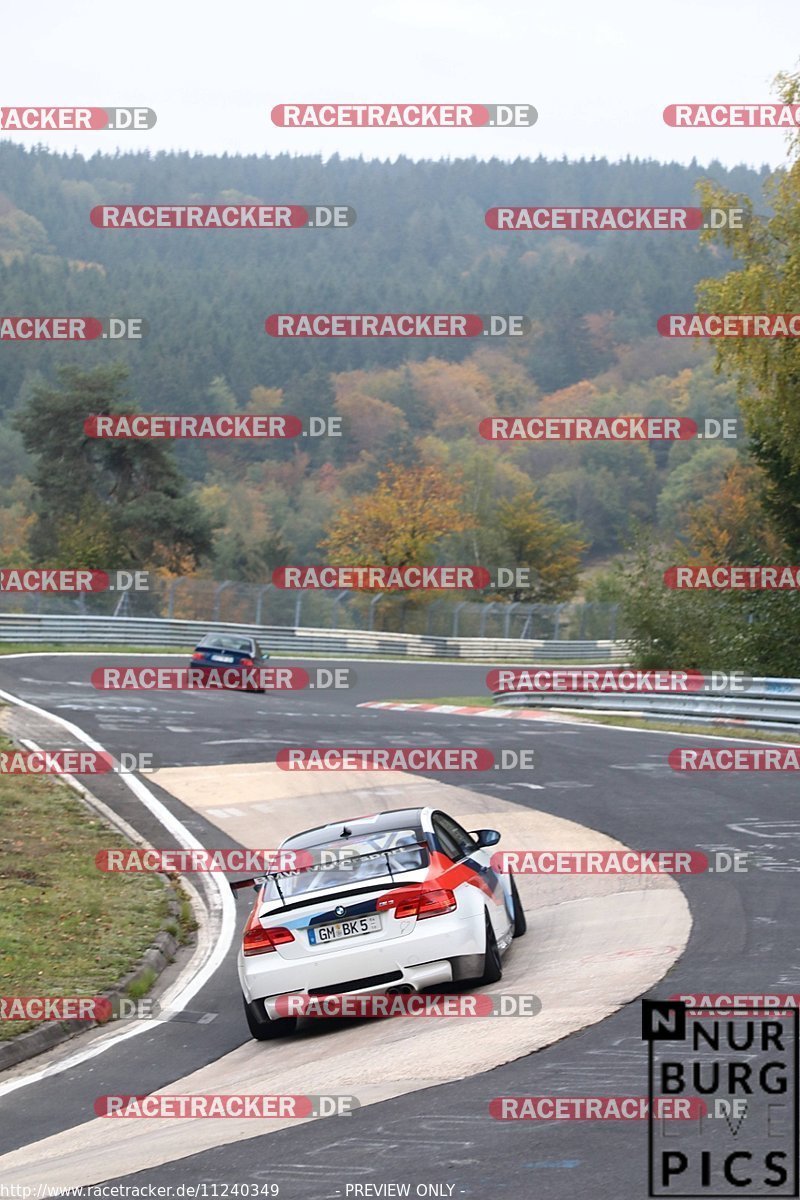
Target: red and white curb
[572, 718]
[520, 714]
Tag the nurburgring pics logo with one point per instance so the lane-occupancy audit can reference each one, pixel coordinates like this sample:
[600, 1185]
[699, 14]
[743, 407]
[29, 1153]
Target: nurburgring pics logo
[222, 216]
[76, 120]
[745, 1066]
[402, 116]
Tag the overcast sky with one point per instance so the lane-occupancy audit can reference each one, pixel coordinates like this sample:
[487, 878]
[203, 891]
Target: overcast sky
[600, 74]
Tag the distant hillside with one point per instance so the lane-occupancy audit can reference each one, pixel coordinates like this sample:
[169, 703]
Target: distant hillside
[419, 244]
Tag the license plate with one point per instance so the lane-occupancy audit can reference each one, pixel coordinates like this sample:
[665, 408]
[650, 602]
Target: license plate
[222, 658]
[343, 929]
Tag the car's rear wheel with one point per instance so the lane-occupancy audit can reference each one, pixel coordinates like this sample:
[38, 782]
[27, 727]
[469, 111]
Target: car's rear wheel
[492, 963]
[262, 1027]
[520, 920]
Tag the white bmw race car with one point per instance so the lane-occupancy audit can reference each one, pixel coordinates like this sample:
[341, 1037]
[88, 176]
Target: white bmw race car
[393, 902]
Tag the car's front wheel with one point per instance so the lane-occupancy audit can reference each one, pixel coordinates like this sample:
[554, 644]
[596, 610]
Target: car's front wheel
[262, 1027]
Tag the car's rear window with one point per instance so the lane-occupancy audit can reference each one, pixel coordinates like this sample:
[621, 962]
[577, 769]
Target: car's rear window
[352, 860]
[215, 641]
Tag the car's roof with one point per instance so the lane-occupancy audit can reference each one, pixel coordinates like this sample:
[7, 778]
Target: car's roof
[358, 827]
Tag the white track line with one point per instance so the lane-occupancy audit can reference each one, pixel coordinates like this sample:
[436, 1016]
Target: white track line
[180, 994]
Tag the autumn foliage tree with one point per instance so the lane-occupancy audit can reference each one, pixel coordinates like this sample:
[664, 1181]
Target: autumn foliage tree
[530, 536]
[400, 522]
[767, 370]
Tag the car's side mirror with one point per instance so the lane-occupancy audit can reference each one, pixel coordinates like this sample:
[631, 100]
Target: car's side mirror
[486, 837]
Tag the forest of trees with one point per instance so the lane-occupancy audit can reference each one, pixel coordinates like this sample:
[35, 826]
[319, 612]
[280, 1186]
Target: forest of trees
[236, 510]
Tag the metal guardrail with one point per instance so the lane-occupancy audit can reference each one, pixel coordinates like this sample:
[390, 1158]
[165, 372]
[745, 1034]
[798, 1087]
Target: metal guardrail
[156, 631]
[773, 702]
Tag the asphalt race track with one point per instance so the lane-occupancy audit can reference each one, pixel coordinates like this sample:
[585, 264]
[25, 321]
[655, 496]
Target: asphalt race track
[614, 780]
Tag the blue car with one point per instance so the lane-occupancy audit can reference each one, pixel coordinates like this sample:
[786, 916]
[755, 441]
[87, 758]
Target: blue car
[228, 652]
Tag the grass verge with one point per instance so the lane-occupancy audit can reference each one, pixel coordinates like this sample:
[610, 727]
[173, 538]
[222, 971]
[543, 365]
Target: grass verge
[83, 648]
[66, 929]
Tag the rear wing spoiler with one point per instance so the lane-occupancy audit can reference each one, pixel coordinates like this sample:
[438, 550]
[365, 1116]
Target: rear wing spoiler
[236, 885]
[258, 881]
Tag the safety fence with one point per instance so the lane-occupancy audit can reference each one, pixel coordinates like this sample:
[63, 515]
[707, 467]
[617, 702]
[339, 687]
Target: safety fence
[264, 604]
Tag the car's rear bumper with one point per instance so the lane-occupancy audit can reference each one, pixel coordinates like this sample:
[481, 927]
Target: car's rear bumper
[427, 957]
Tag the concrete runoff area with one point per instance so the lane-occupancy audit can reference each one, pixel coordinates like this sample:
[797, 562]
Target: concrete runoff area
[594, 943]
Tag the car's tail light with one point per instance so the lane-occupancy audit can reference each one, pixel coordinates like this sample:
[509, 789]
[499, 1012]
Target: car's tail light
[198, 654]
[246, 662]
[258, 940]
[420, 903]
